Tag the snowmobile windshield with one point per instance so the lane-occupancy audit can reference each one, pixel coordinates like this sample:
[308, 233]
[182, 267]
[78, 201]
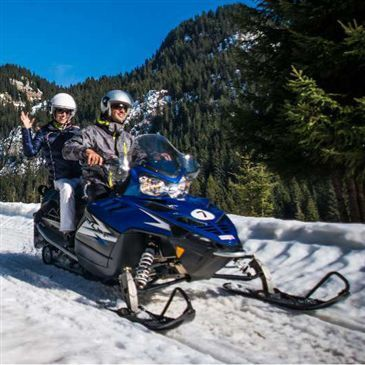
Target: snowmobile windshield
[156, 153]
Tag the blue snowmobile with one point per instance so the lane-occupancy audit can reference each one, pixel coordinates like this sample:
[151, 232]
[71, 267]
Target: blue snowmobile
[150, 233]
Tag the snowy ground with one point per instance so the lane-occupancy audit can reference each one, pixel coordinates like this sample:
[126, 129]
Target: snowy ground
[52, 316]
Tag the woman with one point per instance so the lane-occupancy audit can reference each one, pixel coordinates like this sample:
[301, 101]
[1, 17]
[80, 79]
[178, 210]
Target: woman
[50, 140]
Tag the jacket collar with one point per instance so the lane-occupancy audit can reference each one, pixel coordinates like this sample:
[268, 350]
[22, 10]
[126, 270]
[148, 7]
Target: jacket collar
[58, 126]
[109, 126]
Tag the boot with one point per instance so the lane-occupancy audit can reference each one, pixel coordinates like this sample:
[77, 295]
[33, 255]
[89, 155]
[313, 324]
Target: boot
[69, 237]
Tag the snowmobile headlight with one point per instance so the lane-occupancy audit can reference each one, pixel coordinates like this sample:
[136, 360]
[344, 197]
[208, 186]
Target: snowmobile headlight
[178, 190]
[151, 186]
[155, 187]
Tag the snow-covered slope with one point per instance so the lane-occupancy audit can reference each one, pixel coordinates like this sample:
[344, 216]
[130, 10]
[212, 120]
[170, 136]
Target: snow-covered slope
[52, 316]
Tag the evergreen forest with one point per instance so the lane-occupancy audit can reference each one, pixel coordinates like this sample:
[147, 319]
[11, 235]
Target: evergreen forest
[269, 99]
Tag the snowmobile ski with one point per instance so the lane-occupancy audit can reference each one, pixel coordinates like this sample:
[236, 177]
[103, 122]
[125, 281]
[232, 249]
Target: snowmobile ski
[303, 303]
[159, 322]
[250, 268]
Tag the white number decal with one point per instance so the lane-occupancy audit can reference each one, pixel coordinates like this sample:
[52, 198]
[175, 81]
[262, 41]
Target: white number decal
[202, 215]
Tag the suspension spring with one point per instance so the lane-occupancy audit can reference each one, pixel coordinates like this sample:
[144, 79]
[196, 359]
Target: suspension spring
[143, 270]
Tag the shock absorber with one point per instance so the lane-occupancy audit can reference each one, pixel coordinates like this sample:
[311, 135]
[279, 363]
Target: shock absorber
[144, 267]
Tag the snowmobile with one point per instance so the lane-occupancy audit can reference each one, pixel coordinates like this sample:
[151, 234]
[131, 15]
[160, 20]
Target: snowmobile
[150, 233]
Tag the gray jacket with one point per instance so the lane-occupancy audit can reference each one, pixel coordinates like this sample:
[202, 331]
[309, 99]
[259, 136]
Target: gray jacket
[108, 139]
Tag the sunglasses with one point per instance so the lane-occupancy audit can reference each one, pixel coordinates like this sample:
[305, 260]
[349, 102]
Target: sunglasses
[60, 111]
[120, 107]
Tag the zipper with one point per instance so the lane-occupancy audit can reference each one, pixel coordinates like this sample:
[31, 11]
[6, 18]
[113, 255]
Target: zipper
[125, 157]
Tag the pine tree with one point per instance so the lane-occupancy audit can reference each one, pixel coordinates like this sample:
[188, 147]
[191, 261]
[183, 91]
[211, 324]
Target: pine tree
[330, 134]
[252, 190]
[213, 191]
[326, 201]
[296, 200]
[309, 206]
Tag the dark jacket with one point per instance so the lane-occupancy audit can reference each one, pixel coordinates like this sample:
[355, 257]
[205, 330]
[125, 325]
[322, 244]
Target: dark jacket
[108, 139]
[50, 139]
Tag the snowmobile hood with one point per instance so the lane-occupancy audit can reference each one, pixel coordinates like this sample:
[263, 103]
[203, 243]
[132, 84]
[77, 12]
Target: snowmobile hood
[167, 217]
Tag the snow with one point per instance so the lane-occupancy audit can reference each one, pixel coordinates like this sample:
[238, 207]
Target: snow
[25, 87]
[40, 106]
[11, 151]
[142, 113]
[52, 316]
[235, 39]
[187, 38]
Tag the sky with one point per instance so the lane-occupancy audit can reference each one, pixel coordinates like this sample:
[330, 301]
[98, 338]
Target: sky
[66, 41]
[51, 316]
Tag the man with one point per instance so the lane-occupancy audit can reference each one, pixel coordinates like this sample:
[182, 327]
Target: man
[102, 142]
[64, 175]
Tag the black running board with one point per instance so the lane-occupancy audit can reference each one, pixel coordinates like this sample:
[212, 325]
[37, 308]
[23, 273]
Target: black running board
[302, 303]
[159, 322]
[53, 240]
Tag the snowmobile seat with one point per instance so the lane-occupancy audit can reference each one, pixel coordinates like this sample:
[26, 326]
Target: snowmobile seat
[50, 201]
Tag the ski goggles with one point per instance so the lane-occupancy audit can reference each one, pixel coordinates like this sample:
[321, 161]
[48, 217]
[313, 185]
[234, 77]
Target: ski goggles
[61, 111]
[120, 107]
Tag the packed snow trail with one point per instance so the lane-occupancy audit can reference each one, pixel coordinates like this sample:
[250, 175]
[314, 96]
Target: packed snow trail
[51, 316]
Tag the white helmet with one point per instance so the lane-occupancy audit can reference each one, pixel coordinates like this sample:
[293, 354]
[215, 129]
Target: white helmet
[63, 101]
[115, 97]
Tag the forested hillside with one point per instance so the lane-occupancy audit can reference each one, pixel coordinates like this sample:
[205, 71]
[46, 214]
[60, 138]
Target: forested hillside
[302, 112]
[204, 72]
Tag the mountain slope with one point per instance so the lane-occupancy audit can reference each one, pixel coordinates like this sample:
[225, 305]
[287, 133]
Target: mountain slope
[195, 71]
[20, 89]
[187, 91]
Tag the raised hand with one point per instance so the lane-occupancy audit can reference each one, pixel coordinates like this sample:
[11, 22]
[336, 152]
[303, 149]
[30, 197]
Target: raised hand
[27, 122]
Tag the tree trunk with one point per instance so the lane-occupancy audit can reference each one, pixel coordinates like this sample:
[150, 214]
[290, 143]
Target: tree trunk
[361, 198]
[355, 215]
[338, 187]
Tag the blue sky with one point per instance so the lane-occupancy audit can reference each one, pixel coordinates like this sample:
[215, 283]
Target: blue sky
[69, 40]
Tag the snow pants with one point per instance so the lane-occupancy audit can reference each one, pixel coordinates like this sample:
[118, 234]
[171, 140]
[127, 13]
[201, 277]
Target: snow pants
[66, 187]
